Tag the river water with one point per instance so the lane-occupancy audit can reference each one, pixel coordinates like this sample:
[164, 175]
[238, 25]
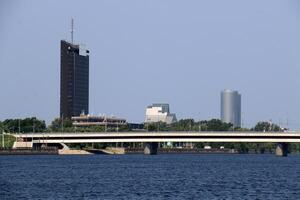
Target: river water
[168, 176]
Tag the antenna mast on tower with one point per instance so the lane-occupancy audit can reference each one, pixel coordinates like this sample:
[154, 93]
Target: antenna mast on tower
[72, 29]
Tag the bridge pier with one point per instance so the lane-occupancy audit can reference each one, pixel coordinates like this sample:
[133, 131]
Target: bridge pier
[151, 148]
[282, 149]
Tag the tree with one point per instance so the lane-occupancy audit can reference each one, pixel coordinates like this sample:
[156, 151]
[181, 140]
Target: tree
[1, 126]
[61, 125]
[183, 125]
[216, 125]
[156, 126]
[24, 125]
[266, 126]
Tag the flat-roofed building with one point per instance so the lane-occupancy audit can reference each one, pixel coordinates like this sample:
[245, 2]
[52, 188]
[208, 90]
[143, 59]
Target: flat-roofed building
[90, 120]
[159, 112]
[74, 79]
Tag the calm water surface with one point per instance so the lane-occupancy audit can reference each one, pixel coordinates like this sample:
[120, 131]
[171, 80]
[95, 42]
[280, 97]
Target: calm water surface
[179, 176]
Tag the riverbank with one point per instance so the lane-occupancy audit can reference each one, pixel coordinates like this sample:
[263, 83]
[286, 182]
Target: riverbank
[120, 151]
[182, 150]
[29, 151]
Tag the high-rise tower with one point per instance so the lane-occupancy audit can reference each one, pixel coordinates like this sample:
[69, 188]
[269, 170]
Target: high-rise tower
[74, 79]
[231, 107]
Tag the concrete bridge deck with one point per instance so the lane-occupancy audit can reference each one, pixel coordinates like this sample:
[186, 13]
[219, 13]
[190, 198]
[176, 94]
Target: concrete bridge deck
[153, 138]
[111, 137]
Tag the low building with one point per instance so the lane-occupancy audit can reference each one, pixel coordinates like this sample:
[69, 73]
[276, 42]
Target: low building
[90, 120]
[159, 112]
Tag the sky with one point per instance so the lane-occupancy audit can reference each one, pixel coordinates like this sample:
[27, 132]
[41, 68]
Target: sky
[142, 52]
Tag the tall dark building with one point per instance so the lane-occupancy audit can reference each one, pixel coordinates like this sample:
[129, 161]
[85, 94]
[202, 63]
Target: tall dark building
[74, 80]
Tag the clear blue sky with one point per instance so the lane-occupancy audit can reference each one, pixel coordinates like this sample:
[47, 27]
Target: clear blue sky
[180, 52]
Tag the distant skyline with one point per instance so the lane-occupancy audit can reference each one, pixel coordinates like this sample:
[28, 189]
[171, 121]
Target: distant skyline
[180, 52]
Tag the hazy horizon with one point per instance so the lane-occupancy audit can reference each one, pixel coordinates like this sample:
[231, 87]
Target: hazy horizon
[141, 52]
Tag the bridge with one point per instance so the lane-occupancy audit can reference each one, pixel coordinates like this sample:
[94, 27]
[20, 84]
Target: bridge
[151, 139]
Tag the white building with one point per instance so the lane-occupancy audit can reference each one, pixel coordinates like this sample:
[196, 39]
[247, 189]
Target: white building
[159, 112]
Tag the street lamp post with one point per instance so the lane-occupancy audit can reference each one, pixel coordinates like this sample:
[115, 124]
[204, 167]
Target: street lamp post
[62, 123]
[2, 138]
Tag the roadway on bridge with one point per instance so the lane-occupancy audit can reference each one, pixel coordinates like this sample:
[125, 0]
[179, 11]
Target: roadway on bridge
[111, 137]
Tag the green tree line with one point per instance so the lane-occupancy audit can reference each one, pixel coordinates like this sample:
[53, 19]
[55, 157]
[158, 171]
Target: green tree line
[209, 125]
[23, 125]
[33, 124]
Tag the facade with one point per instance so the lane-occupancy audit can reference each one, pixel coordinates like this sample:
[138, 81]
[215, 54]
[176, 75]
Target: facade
[231, 107]
[89, 120]
[159, 112]
[74, 80]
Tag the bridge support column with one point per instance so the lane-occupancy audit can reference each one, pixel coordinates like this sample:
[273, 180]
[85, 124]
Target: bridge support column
[151, 148]
[282, 149]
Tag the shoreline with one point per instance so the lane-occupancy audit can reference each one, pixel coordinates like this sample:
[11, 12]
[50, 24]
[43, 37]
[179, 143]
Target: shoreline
[122, 151]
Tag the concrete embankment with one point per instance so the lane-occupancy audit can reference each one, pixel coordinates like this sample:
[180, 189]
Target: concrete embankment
[114, 150]
[109, 150]
[29, 151]
[56, 151]
[181, 150]
[73, 152]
